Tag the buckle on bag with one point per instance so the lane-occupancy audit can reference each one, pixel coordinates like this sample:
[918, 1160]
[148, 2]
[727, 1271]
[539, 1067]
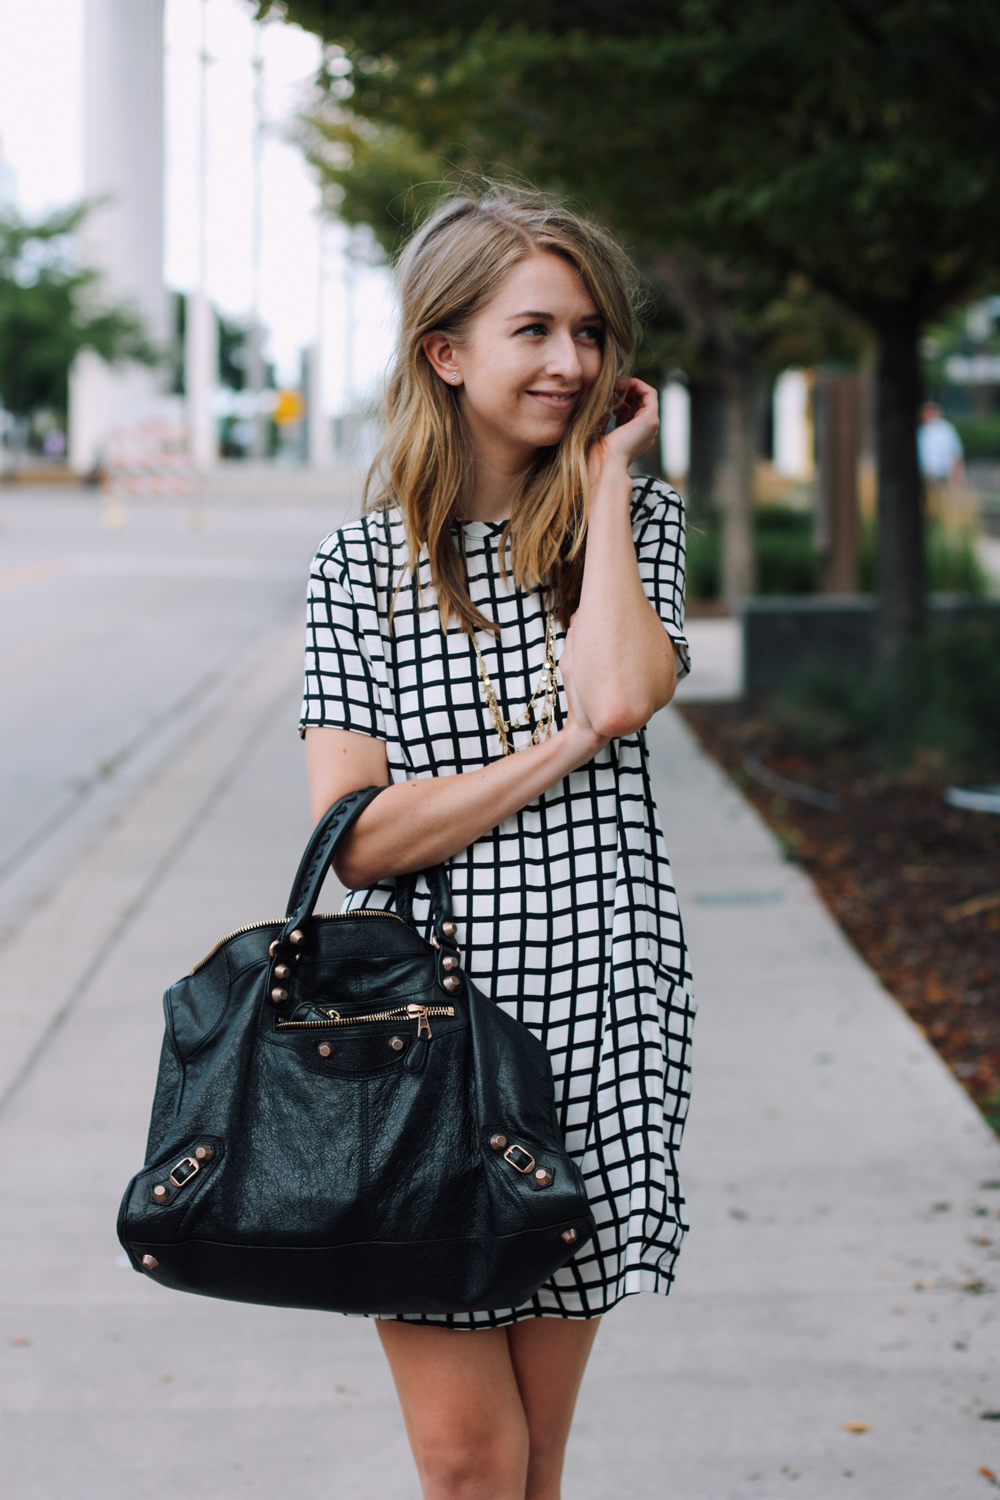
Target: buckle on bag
[525, 1157]
[185, 1161]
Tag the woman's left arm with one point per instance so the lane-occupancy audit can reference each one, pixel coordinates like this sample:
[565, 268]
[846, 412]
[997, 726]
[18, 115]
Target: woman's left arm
[624, 662]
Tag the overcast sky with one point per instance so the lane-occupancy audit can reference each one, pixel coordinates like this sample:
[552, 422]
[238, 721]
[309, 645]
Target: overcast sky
[40, 123]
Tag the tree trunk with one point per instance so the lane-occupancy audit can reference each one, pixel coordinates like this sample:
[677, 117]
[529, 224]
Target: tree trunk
[838, 417]
[705, 453]
[900, 488]
[738, 569]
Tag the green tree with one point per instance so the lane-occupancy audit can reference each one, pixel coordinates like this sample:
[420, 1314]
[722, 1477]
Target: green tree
[49, 312]
[852, 141]
[730, 328]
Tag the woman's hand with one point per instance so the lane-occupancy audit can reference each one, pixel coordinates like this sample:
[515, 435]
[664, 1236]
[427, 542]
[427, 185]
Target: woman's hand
[637, 427]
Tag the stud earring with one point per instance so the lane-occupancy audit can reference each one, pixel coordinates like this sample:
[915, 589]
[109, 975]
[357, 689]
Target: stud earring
[454, 378]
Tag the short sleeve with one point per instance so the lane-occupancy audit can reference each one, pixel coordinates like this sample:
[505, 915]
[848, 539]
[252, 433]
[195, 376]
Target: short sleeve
[341, 691]
[658, 534]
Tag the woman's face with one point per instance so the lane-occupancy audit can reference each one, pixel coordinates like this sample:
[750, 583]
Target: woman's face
[530, 357]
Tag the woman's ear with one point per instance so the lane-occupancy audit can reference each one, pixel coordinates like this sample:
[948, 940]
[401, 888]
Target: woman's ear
[443, 357]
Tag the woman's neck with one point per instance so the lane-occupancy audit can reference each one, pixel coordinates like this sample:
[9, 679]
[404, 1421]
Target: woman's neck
[497, 474]
[491, 500]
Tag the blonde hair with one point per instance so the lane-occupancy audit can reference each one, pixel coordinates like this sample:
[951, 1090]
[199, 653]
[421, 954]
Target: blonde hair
[449, 271]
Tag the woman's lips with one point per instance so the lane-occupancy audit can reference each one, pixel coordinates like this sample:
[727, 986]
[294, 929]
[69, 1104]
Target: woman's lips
[555, 400]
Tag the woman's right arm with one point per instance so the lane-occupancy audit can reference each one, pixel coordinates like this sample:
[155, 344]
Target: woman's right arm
[416, 824]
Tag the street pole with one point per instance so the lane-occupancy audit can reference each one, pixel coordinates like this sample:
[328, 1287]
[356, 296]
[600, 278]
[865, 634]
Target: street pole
[318, 423]
[255, 352]
[201, 344]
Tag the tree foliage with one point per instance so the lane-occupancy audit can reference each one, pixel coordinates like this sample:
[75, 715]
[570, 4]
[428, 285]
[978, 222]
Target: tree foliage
[49, 312]
[853, 140]
[849, 142]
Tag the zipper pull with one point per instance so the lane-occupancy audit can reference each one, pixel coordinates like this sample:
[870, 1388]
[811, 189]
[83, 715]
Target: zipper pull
[415, 1058]
[418, 1013]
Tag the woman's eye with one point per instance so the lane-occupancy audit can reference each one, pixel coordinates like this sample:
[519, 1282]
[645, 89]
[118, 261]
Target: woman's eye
[535, 328]
[592, 332]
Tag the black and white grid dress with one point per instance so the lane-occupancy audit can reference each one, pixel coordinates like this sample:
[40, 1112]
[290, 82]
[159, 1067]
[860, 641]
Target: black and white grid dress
[567, 913]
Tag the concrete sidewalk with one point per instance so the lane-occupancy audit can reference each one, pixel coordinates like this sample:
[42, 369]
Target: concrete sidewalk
[843, 1193]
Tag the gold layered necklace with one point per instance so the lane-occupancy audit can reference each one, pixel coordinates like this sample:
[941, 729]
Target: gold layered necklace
[543, 699]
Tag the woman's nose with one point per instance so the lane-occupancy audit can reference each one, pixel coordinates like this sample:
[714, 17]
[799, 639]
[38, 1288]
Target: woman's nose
[564, 357]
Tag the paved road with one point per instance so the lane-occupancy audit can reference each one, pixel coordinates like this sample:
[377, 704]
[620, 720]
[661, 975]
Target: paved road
[122, 627]
[842, 1264]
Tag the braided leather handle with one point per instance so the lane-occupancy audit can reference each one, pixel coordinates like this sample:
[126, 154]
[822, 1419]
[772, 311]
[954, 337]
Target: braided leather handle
[319, 852]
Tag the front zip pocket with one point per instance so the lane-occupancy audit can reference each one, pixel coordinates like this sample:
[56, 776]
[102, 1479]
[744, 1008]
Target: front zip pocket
[331, 1017]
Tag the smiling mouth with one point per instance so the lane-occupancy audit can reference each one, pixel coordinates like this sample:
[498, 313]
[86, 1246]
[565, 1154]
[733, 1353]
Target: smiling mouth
[556, 400]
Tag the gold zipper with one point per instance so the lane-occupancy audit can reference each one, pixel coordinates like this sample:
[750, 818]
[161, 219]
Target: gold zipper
[330, 916]
[418, 1013]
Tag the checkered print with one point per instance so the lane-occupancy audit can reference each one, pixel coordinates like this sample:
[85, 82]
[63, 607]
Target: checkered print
[567, 912]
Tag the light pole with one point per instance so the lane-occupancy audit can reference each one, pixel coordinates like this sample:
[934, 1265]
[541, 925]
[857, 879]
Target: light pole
[255, 352]
[201, 342]
[318, 423]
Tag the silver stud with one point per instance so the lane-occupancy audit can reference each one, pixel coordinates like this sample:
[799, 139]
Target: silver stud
[279, 996]
[449, 928]
[451, 962]
[203, 1153]
[498, 1141]
[452, 983]
[324, 1049]
[296, 937]
[542, 1177]
[396, 1043]
[149, 1262]
[282, 971]
[569, 1235]
[161, 1193]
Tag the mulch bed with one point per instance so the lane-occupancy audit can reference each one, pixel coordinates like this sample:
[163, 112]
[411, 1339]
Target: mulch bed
[914, 883]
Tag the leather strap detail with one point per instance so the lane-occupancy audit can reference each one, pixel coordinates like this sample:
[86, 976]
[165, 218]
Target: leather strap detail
[318, 857]
[440, 894]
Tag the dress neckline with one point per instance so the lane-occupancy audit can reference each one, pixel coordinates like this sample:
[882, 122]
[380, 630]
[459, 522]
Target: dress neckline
[481, 528]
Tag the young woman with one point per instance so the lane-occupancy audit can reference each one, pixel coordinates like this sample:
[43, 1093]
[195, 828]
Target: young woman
[488, 643]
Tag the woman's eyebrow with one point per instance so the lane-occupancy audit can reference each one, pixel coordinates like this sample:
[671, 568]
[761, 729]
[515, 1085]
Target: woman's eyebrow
[594, 317]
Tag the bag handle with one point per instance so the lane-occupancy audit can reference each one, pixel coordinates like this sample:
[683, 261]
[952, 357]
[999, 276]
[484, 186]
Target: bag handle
[312, 871]
[318, 856]
[440, 893]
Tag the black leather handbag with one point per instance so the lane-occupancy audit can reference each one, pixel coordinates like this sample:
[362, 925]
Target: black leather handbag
[343, 1121]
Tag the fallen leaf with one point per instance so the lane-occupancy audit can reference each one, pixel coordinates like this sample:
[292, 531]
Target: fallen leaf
[19, 1343]
[972, 908]
[987, 1473]
[856, 1426]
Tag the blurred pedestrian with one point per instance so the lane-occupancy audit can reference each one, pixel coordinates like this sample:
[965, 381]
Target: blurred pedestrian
[942, 458]
[488, 642]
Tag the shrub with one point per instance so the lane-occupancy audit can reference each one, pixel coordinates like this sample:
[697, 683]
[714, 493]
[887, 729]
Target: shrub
[939, 697]
[786, 555]
[980, 435]
[950, 554]
[704, 568]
